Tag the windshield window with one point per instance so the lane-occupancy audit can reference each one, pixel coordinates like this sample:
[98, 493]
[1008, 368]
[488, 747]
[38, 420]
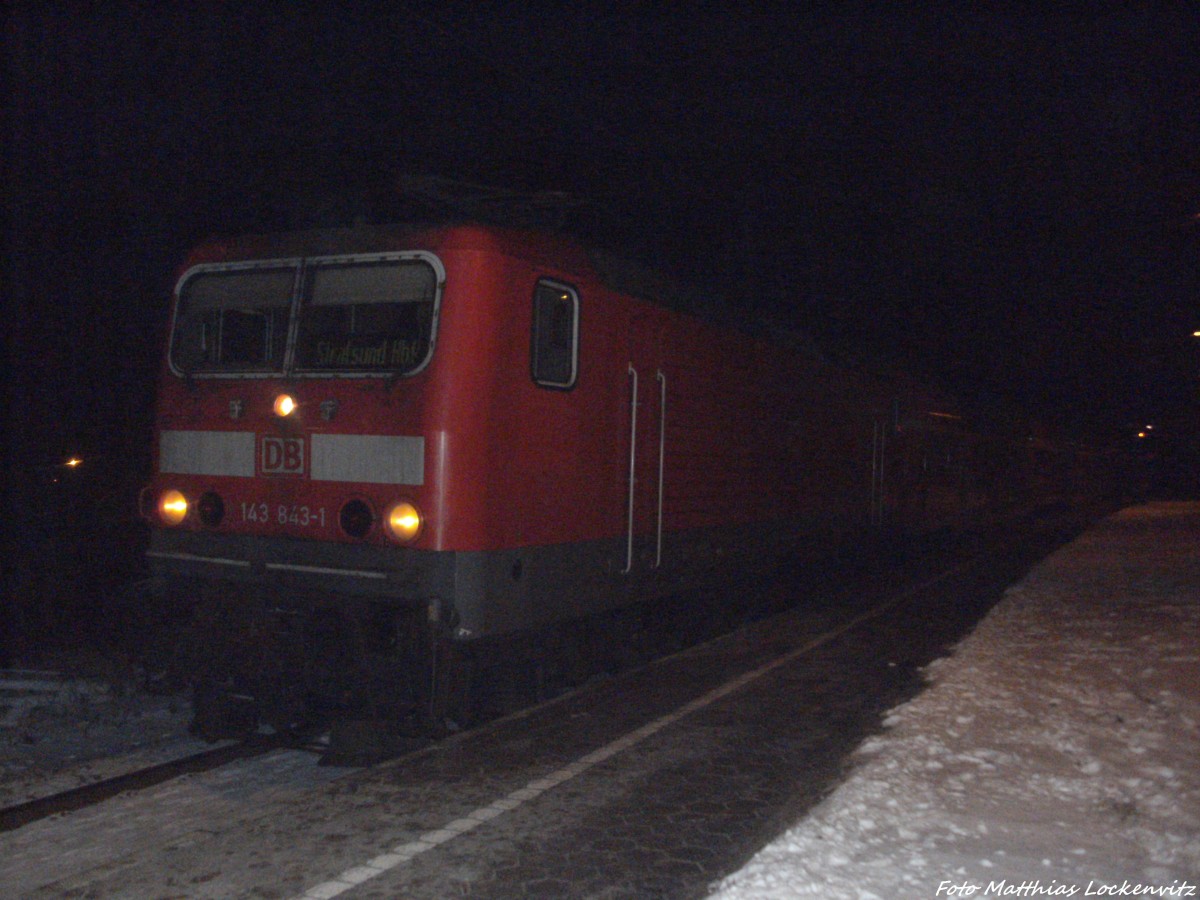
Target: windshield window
[367, 316]
[233, 320]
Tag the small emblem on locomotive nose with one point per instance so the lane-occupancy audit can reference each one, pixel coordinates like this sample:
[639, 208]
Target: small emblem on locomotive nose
[328, 408]
[236, 408]
[281, 455]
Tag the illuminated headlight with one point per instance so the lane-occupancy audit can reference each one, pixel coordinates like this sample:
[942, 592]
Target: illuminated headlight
[284, 406]
[172, 507]
[403, 521]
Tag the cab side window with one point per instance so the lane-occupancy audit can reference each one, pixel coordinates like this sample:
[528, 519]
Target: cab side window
[554, 344]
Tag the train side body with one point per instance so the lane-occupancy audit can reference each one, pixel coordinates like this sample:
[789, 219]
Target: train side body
[569, 448]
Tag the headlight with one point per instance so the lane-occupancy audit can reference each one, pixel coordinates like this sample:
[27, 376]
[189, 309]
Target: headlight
[172, 507]
[284, 406]
[403, 521]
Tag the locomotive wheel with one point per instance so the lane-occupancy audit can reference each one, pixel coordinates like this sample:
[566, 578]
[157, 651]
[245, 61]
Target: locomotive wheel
[334, 664]
[221, 713]
[454, 703]
[212, 652]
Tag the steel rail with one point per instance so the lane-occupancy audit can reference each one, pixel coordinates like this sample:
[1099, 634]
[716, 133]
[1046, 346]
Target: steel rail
[21, 814]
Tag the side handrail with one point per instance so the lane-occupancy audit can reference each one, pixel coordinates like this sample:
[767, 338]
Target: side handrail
[878, 463]
[874, 471]
[662, 452]
[633, 405]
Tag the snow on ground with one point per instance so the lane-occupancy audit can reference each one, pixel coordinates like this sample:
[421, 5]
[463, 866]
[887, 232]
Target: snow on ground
[1056, 753]
[78, 724]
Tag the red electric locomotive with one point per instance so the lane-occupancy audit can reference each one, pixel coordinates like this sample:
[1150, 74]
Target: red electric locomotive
[379, 449]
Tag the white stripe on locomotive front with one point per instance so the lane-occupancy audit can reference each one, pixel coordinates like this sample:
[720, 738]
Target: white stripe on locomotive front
[207, 453]
[368, 458]
[357, 458]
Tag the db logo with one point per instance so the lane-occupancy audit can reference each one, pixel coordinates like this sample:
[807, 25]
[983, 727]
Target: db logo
[281, 455]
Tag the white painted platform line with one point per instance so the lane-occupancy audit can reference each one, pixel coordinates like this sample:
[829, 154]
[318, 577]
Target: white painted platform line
[397, 856]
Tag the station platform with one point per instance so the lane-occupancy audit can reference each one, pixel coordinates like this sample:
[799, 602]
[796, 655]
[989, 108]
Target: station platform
[1055, 753]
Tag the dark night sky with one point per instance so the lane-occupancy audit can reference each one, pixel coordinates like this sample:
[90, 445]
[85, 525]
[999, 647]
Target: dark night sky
[1003, 199]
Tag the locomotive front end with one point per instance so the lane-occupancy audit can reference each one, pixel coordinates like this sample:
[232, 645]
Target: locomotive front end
[290, 502]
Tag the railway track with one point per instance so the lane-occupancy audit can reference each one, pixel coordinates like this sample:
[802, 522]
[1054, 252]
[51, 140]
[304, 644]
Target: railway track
[20, 814]
[15, 816]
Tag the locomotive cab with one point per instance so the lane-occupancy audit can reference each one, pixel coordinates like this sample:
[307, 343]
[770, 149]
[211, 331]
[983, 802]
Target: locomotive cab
[291, 485]
[352, 452]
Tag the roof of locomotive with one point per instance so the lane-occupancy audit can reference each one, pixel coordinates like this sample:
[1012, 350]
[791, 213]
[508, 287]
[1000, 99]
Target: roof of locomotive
[554, 250]
[539, 247]
[526, 244]
[559, 251]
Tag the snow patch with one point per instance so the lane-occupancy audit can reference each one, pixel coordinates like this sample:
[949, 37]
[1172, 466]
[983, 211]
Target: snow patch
[1056, 746]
